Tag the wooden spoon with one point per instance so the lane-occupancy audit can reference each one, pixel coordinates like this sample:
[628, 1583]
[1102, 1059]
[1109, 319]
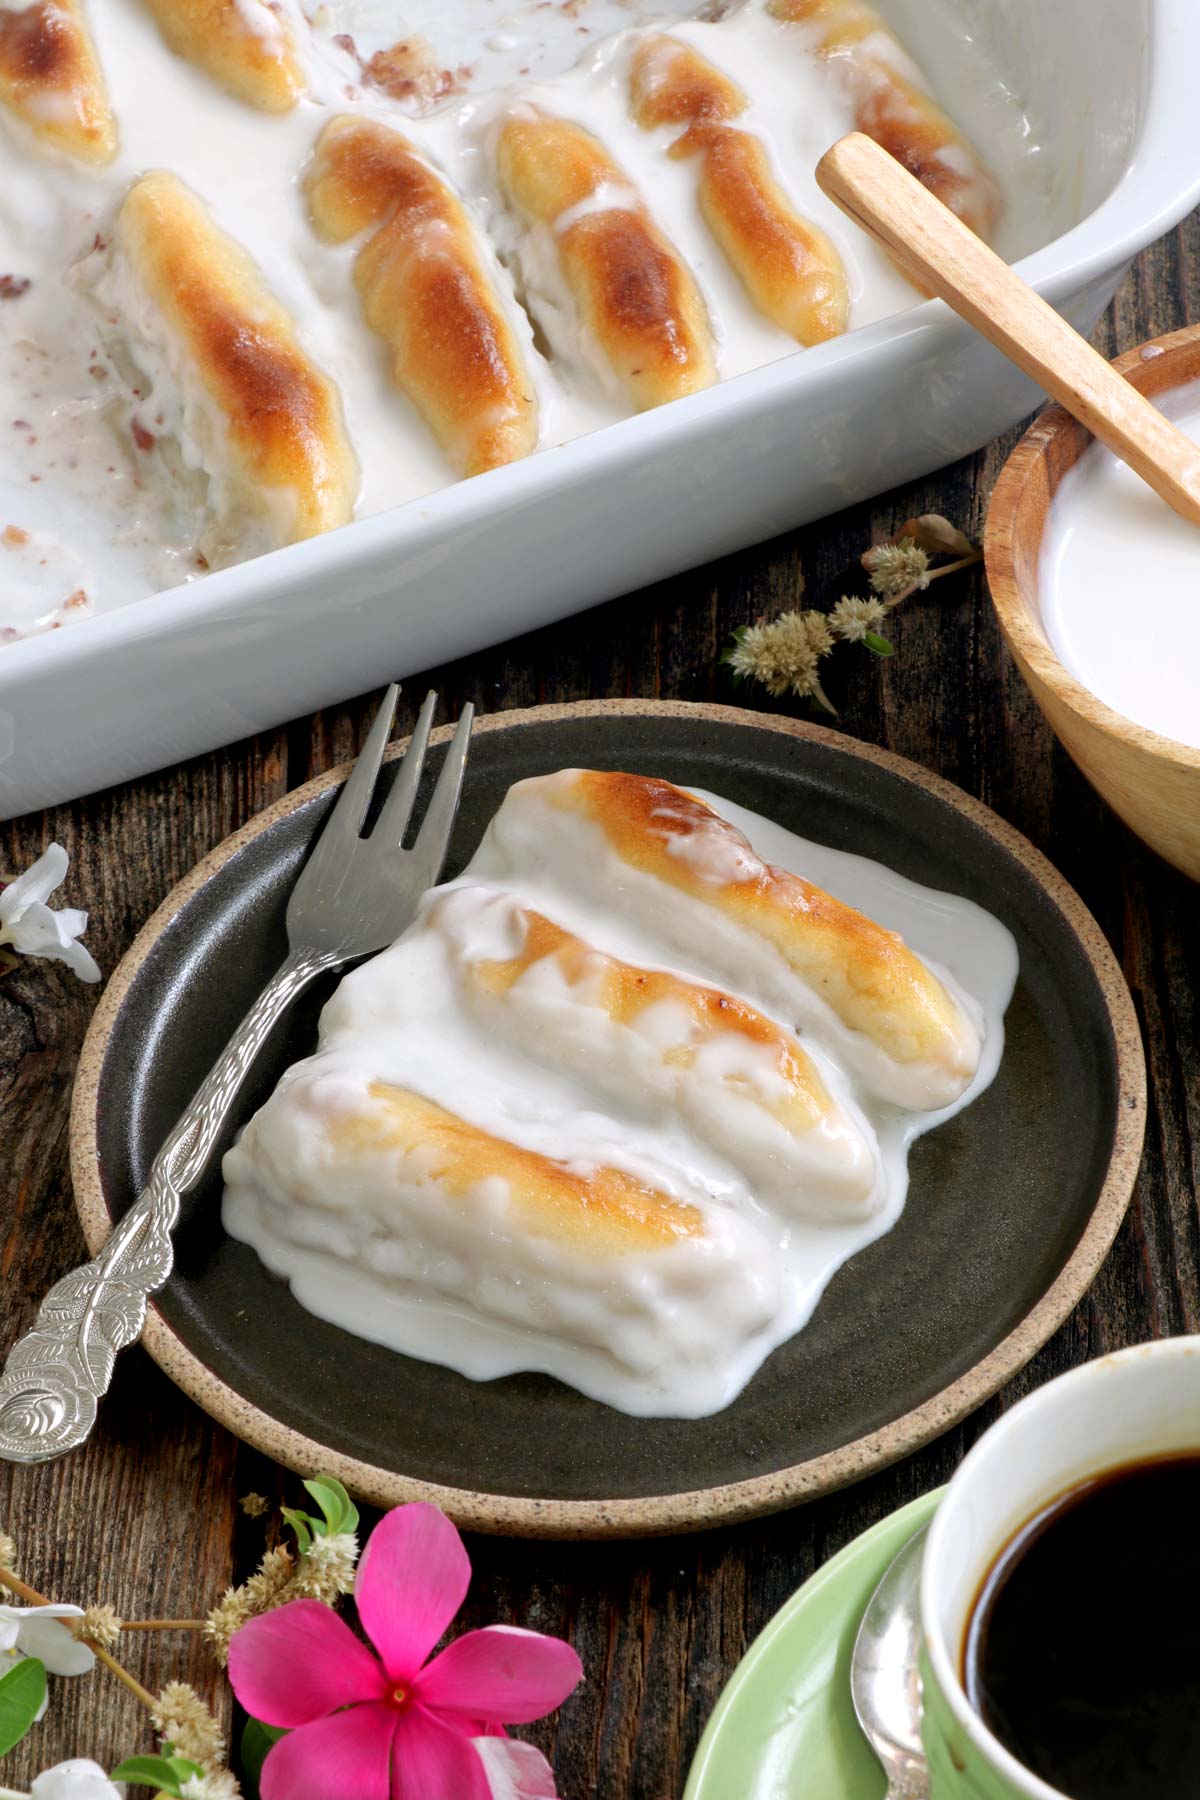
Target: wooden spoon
[939, 253]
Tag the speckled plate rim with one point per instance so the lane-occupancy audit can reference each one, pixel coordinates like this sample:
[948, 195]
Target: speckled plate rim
[697, 1509]
[751, 1688]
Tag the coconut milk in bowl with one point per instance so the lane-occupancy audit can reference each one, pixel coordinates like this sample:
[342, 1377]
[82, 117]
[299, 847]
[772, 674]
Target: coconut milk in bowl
[1097, 587]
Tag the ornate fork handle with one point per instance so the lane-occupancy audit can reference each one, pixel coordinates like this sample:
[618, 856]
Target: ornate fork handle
[56, 1373]
[911, 1786]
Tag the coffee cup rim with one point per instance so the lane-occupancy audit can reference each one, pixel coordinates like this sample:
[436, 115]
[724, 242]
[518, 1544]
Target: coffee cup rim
[943, 1658]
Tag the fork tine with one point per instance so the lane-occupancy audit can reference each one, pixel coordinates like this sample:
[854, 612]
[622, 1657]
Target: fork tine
[394, 815]
[434, 836]
[345, 821]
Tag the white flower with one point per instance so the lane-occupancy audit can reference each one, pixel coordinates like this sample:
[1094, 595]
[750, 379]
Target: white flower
[33, 928]
[327, 1567]
[36, 1631]
[896, 570]
[220, 1786]
[853, 618]
[78, 1779]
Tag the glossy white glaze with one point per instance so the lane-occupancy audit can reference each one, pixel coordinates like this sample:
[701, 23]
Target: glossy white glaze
[1118, 582]
[674, 1332]
[597, 893]
[723, 1087]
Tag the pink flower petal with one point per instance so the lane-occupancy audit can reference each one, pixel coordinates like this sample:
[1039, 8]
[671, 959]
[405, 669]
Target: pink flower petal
[299, 1663]
[500, 1673]
[412, 1579]
[516, 1771]
[430, 1761]
[346, 1757]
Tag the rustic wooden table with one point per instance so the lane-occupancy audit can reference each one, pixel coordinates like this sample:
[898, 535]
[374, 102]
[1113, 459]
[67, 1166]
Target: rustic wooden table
[147, 1518]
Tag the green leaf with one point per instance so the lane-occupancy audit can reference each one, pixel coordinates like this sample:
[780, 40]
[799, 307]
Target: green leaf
[22, 1691]
[184, 1770]
[878, 644]
[731, 650]
[301, 1524]
[166, 1773]
[340, 1512]
[257, 1739]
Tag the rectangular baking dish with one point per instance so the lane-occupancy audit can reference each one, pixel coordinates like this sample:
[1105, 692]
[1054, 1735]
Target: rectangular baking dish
[1110, 86]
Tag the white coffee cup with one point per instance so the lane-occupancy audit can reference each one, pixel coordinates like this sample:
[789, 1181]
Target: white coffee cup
[1126, 1408]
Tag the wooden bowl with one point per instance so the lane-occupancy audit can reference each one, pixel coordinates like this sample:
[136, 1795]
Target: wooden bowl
[1152, 782]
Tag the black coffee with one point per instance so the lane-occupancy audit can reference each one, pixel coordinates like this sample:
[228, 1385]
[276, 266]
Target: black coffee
[1083, 1652]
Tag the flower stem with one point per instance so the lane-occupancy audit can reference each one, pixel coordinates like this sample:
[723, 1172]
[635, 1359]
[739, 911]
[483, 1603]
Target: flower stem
[17, 1586]
[14, 1794]
[964, 562]
[162, 1625]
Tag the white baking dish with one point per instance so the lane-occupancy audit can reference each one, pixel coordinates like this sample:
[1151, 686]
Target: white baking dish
[1109, 85]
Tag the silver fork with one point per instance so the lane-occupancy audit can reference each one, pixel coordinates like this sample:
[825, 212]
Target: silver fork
[354, 896]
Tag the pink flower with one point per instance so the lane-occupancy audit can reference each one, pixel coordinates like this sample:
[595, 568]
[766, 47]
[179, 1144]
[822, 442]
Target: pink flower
[398, 1726]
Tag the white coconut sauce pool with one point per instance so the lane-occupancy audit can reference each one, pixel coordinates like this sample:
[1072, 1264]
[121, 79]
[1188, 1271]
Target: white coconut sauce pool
[698, 1355]
[1120, 587]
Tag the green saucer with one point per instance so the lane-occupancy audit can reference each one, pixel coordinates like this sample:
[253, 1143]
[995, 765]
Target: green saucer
[784, 1728]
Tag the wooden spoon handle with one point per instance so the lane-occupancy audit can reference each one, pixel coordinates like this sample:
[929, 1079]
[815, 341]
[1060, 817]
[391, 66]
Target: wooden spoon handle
[941, 255]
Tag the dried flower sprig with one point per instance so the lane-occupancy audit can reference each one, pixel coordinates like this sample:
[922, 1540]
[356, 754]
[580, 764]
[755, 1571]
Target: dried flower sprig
[326, 1570]
[857, 621]
[902, 565]
[322, 1570]
[192, 1765]
[328, 1713]
[897, 570]
[187, 1728]
[785, 654]
[100, 1626]
[270, 1581]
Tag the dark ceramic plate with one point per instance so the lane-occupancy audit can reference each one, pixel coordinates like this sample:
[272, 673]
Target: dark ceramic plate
[1012, 1207]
